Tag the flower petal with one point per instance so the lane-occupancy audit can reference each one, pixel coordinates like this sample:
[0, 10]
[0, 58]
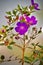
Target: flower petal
[21, 28]
[35, 5]
[17, 29]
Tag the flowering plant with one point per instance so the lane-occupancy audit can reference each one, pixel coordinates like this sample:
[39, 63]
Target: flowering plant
[20, 17]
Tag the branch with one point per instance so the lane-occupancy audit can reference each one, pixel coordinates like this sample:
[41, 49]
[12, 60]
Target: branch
[29, 48]
[18, 46]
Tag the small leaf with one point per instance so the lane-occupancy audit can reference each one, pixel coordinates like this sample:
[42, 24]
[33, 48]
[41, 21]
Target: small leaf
[5, 26]
[1, 44]
[28, 13]
[39, 31]
[26, 58]
[14, 12]
[40, 46]
[42, 58]
[9, 47]
[33, 44]
[24, 8]
[7, 30]
[31, 8]
[11, 28]
[12, 43]
[9, 13]
[10, 18]
[35, 60]
[27, 61]
[19, 7]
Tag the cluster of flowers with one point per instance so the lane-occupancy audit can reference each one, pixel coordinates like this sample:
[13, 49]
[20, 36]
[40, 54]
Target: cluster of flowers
[26, 21]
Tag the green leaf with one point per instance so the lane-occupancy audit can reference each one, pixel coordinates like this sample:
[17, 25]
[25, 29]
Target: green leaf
[12, 43]
[40, 46]
[10, 18]
[1, 44]
[27, 59]
[24, 8]
[19, 7]
[14, 12]
[9, 47]
[11, 28]
[39, 31]
[5, 26]
[35, 60]
[7, 30]
[28, 13]
[31, 8]
[33, 44]
[9, 12]
[42, 58]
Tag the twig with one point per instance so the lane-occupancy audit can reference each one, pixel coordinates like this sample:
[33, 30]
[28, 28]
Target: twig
[18, 46]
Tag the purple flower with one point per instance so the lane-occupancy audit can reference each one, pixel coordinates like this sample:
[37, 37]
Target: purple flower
[31, 21]
[21, 28]
[35, 5]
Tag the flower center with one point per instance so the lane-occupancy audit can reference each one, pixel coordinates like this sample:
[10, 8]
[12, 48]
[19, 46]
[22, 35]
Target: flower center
[30, 22]
[22, 27]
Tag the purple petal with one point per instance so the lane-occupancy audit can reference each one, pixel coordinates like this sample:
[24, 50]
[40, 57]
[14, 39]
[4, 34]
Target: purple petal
[21, 28]
[19, 24]
[33, 18]
[23, 31]
[36, 6]
[32, 1]
[17, 29]
[28, 19]
[34, 23]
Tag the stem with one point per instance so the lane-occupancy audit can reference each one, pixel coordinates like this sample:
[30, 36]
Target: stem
[23, 56]
[18, 46]
[23, 51]
[31, 64]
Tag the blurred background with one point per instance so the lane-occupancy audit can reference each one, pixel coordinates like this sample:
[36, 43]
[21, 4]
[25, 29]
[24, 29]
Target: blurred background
[9, 5]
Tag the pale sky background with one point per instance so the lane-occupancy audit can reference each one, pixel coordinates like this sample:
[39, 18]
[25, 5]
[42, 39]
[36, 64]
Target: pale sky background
[9, 5]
